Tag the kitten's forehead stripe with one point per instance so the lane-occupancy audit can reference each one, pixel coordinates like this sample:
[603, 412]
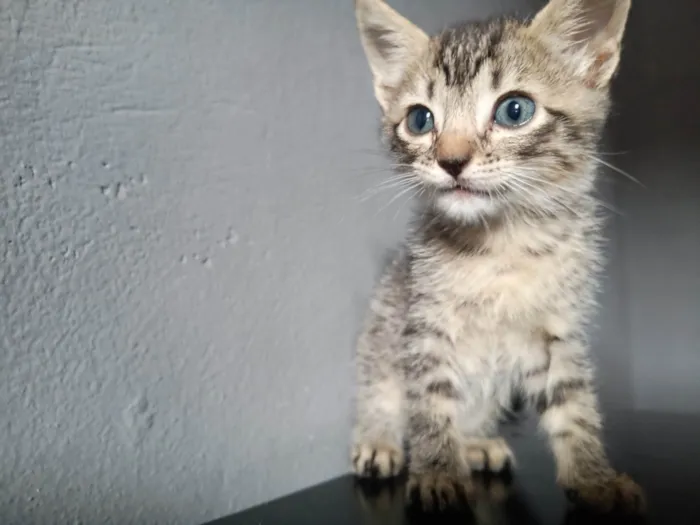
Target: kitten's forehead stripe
[496, 74]
[463, 50]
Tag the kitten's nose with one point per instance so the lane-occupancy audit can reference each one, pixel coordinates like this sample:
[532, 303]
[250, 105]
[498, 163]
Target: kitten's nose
[454, 166]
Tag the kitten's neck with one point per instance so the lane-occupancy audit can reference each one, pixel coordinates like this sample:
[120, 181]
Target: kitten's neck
[432, 226]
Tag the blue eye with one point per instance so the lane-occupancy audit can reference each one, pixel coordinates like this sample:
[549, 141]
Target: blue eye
[514, 111]
[420, 120]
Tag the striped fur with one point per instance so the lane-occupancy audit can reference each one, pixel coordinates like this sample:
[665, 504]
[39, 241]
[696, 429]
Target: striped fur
[491, 295]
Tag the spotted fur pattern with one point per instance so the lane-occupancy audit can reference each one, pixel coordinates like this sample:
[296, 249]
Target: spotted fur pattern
[491, 295]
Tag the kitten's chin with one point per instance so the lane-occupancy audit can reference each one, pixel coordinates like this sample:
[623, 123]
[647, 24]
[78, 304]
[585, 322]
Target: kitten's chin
[466, 209]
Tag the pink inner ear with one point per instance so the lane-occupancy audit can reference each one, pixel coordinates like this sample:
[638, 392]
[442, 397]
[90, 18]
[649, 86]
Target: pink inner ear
[601, 60]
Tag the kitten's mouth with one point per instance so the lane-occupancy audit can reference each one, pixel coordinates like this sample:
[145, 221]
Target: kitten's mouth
[466, 190]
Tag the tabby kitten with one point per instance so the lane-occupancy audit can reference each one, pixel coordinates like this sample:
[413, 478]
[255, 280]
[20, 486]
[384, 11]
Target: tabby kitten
[498, 123]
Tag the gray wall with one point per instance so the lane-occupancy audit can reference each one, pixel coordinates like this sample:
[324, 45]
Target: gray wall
[186, 253]
[188, 247]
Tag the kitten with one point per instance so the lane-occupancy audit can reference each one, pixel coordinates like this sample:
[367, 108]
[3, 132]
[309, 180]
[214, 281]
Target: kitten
[498, 123]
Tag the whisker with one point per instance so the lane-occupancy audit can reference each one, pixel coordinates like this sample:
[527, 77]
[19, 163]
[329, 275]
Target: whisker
[394, 177]
[406, 201]
[600, 201]
[612, 153]
[551, 198]
[393, 199]
[400, 185]
[618, 170]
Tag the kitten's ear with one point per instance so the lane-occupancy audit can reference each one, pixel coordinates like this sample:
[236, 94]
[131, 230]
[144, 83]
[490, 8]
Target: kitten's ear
[391, 42]
[590, 31]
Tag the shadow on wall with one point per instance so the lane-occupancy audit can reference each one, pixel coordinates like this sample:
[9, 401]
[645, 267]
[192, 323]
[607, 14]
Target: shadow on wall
[655, 137]
[659, 79]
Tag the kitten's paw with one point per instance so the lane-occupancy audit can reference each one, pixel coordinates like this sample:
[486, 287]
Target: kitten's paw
[435, 490]
[619, 493]
[377, 460]
[488, 455]
[489, 489]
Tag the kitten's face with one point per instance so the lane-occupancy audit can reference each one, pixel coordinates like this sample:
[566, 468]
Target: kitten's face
[487, 121]
[488, 118]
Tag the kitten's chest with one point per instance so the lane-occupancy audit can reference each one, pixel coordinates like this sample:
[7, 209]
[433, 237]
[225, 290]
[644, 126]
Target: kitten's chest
[507, 286]
[515, 281]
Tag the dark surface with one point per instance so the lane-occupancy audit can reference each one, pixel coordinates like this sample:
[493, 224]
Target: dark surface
[661, 451]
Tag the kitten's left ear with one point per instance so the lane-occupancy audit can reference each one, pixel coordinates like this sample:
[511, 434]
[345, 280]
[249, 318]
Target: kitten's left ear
[391, 43]
[588, 31]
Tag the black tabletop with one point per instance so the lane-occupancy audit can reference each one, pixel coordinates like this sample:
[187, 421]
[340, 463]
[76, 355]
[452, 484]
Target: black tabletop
[660, 451]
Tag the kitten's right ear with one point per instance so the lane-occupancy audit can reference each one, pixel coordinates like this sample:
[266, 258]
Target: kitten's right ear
[391, 43]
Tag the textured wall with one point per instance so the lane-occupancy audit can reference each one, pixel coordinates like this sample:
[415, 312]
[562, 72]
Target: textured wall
[185, 251]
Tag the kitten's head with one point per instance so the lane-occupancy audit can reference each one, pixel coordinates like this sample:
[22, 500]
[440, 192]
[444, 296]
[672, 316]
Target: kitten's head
[500, 115]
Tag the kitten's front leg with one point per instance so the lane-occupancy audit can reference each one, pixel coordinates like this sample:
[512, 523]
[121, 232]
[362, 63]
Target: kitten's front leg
[378, 440]
[437, 477]
[378, 435]
[568, 405]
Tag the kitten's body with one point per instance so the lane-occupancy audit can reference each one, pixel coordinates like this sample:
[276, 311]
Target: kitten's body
[490, 298]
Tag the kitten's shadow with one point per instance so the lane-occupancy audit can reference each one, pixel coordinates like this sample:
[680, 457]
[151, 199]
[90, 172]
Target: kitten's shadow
[493, 501]
[583, 517]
